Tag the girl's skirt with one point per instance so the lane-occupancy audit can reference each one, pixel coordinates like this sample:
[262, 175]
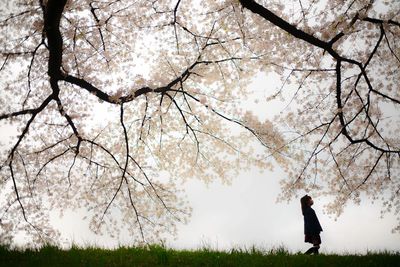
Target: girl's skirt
[314, 239]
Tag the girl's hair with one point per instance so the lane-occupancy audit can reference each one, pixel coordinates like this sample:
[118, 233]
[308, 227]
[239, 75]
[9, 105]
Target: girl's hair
[304, 203]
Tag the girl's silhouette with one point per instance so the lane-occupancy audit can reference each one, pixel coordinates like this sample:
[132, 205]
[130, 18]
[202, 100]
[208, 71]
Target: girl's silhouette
[312, 227]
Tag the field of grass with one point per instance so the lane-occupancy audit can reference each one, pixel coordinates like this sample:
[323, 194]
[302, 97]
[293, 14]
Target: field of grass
[160, 256]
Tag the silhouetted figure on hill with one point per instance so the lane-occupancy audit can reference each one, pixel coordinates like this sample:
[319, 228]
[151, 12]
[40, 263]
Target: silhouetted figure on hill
[312, 227]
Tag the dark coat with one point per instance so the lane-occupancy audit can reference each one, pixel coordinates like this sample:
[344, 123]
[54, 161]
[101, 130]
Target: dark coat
[311, 223]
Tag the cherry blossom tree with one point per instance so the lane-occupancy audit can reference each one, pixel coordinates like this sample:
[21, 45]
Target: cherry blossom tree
[114, 103]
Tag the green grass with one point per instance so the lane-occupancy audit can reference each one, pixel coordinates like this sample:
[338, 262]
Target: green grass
[160, 256]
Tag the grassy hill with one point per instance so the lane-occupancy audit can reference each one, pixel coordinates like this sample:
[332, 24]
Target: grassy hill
[160, 256]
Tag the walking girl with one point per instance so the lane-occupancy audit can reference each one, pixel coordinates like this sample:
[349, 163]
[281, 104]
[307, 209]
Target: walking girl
[312, 227]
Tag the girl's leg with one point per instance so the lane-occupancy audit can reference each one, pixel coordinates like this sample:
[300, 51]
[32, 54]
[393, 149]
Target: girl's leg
[309, 251]
[316, 248]
[313, 250]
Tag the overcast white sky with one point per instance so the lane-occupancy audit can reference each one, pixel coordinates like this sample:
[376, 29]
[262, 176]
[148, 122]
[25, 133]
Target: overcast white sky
[246, 214]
